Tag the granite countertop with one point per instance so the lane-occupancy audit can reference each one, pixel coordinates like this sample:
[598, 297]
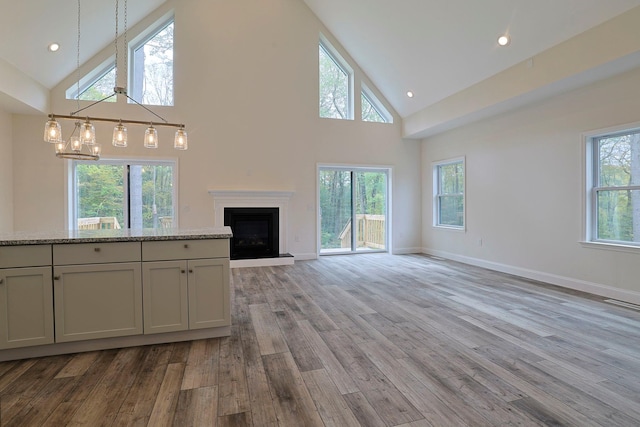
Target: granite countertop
[123, 235]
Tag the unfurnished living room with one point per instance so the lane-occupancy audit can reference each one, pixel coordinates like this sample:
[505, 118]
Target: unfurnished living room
[320, 213]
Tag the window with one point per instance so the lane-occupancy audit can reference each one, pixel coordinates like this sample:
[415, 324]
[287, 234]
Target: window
[448, 193]
[372, 110]
[336, 83]
[353, 209]
[151, 74]
[96, 85]
[614, 186]
[123, 194]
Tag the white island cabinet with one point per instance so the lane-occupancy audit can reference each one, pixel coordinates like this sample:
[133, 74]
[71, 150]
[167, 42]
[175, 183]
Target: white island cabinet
[26, 297]
[186, 285]
[97, 289]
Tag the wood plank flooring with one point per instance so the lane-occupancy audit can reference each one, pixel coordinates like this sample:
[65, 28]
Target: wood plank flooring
[370, 340]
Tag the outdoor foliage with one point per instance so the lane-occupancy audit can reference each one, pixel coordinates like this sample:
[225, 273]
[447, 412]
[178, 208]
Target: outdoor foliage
[153, 70]
[101, 88]
[336, 201]
[101, 192]
[334, 88]
[618, 195]
[450, 198]
[369, 112]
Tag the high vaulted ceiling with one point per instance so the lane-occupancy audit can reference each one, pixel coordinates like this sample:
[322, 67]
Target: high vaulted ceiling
[435, 48]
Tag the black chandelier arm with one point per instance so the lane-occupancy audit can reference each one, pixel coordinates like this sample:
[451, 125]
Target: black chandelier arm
[92, 104]
[103, 119]
[143, 106]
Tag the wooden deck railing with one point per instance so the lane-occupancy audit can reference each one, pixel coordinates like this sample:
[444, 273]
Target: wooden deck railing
[98, 223]
[370, 232]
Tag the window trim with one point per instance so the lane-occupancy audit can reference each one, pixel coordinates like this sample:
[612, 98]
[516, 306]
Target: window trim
[436, 193]
[341, 63]
[71, 194]
[590, 164]
[139, 41]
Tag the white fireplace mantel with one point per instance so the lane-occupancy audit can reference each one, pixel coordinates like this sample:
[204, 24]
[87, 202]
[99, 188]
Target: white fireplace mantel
[254, 199]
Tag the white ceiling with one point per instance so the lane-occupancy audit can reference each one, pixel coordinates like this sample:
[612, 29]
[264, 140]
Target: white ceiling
[27, 27]
[434, 48]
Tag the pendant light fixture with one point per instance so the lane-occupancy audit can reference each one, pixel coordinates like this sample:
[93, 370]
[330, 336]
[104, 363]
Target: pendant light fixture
[82, 141]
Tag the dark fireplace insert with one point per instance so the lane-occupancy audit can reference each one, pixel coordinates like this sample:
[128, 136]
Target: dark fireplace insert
[255, 232]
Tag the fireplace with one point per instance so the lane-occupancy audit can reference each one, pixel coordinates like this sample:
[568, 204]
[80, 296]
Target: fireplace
[255, 232]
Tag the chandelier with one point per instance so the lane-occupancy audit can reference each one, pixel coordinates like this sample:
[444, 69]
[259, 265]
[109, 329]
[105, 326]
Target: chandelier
[81, 144]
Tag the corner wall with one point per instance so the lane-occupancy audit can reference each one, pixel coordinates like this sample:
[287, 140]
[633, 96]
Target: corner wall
[6, 173]
[524, 190]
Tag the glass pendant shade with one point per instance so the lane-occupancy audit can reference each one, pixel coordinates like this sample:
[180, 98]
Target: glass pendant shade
[52, 131]
[60, 147]
[87, 133]
[180, 142]
[120, 135]
[151, 137]
[95, 149]
[75, 144]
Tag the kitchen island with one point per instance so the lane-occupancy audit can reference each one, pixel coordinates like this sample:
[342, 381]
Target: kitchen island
[83, 290]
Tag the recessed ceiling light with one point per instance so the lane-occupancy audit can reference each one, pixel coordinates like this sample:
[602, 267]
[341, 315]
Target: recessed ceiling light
[504, 40]
[410, 94]
[53, 47]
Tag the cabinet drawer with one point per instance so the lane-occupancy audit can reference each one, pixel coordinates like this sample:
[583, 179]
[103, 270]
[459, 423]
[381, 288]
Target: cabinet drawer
[185, 249]
[25, 256]
[96, 253]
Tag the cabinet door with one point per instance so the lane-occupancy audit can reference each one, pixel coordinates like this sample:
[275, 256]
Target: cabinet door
[208, 293]
[26, 307]
[97, 301]
[166, 305]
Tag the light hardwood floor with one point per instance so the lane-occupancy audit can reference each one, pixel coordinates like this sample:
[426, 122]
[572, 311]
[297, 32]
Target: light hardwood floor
[372, 340]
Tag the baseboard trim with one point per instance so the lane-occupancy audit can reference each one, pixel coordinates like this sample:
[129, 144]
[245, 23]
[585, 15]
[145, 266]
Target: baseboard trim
[406, 251]
[306, 257]
[563, 281]
[262, 262]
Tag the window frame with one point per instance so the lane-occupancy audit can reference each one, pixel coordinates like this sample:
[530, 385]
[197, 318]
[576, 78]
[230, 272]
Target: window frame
[138, 42]
[72, 194]
[591, 186]
[341, 63]
[437, 195]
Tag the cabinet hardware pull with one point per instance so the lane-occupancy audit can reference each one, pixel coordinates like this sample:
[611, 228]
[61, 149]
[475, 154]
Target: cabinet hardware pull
[190, 271]
[186, 246]
[182, 271]
[1, 281]
[96, 249]
[56, 277]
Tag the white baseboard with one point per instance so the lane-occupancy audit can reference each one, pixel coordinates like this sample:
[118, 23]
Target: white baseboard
[306, 257]
[406, 251]
[261, 262]
[563, 281]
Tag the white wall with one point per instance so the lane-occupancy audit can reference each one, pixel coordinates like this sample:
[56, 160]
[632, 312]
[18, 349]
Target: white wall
[246, 85]
[524, 190]
[6, 173]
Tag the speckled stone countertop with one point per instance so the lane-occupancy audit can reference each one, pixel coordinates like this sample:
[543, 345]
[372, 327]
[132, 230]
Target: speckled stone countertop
[124, 235]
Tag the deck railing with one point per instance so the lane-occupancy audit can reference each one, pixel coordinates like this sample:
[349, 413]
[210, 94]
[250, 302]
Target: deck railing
[370, 232]
[99, 223]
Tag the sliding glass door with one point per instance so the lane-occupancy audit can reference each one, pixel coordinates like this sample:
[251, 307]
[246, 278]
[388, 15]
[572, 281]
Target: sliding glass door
[353, 209]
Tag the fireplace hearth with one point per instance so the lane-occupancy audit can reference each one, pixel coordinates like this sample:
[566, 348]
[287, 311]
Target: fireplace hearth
[255, 232]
